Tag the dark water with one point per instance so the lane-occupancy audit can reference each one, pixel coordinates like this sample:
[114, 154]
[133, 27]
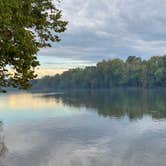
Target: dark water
[99, 128]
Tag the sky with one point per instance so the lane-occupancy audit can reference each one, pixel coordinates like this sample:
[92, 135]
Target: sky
[106, 29]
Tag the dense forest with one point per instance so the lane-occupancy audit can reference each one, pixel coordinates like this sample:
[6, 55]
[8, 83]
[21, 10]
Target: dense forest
[133, 72]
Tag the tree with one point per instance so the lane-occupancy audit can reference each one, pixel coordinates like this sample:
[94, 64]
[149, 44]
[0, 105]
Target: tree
[134, 72]
[25, 26]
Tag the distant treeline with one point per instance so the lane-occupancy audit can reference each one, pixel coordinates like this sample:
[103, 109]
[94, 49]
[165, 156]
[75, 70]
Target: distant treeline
[133, 72]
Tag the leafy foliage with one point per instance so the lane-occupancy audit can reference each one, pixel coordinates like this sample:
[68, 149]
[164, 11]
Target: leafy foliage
[134, 72]
[25, 26]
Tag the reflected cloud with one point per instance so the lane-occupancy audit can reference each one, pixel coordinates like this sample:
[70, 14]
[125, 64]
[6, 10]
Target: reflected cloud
[88, 143]
[23, 107]
[26, 101]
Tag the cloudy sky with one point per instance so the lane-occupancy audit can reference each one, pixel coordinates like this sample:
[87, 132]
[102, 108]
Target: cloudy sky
[105, 29]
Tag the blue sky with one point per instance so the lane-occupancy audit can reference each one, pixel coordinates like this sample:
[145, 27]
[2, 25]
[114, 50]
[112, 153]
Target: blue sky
[105, 29]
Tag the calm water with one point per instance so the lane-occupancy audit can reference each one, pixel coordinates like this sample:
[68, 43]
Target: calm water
[106, 128]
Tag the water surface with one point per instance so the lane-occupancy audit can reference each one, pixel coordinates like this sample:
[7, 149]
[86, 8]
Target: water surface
[99, 128]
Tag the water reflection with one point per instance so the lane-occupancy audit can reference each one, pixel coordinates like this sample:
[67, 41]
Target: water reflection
[3, 148]
[22, 101]
[71, 129]
[40, 136]
[118, 103]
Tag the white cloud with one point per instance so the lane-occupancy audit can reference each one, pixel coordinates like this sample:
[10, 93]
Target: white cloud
[104, 29]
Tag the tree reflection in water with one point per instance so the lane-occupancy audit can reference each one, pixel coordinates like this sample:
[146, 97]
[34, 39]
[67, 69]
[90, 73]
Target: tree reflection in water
[3, 148]
[133, 103]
